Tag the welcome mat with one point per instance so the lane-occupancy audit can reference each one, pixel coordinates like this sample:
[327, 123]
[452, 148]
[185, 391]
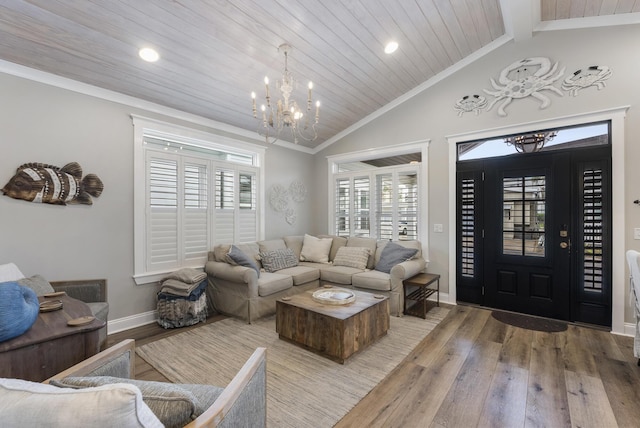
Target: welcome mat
[303, 389]
[529, 322]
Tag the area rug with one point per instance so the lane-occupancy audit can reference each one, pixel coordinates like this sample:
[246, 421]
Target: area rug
[303, 389]
[530, 322]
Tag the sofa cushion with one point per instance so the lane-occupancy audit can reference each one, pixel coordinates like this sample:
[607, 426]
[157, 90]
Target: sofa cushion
[38, 284]
[355, 257]
[275, 260]
[270, 283]
[237, 257]
[301, 274]
[336, 244]
[372, 280]
[220, 253]
[174, 404]
[315, 249]
[338, 274]
[32, 404]
[392, 254]
[295, 243]
[270, 245]
[370, 243]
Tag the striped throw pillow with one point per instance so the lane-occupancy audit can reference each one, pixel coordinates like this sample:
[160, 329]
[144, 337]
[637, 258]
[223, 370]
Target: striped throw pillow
[276, 260]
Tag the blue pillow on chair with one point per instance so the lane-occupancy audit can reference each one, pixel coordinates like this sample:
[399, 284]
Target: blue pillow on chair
[19, 309]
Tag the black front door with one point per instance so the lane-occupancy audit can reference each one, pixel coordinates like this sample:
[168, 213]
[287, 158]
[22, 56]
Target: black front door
[533, 234]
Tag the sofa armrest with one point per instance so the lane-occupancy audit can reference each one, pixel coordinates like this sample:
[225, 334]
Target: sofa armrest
[407, 269]
[117, 361]
[244, 401]
[86, 290]
[231, 273]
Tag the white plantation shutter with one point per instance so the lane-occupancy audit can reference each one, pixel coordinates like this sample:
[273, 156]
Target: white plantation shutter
[361, 206]
[385, 206]
[177, 230]
[343, 207]
[236, 217]
[162, 215]
[195, 213]
[407, 203]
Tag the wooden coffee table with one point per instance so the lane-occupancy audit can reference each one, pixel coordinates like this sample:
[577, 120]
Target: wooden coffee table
[334, 331]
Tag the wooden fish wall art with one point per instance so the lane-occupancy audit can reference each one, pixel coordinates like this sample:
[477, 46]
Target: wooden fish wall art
[38, 182]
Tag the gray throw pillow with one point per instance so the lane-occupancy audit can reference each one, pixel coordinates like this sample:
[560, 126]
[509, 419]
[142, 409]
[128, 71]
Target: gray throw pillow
[276, 260]
[174, 404]
[241, 259]
[392, 254]
[38, 284]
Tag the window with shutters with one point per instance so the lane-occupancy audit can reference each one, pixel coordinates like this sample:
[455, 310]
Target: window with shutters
[193, 194]
[382, 203]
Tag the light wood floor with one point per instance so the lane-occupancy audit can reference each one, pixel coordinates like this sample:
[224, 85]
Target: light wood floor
[473, 370]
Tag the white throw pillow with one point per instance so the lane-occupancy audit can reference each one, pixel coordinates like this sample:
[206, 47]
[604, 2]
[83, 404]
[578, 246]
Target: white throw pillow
[315, 249]
[10, 272]
[355, 257]
[32, 404]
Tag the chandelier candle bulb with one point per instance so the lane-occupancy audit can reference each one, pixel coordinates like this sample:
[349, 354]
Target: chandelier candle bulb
[253, 100]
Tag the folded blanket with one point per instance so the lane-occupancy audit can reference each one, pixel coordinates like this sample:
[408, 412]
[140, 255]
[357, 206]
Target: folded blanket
[178, 288]
[186, 275]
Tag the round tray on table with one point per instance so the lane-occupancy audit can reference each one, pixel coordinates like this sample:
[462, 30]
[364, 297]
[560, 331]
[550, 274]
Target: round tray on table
[334, 296]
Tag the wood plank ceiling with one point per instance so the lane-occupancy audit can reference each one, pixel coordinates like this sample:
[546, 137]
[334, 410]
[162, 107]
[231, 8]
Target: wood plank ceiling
[215, 53]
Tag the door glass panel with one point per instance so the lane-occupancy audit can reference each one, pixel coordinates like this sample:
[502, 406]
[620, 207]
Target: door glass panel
[592, 223]
[523, 216]
[468, 227]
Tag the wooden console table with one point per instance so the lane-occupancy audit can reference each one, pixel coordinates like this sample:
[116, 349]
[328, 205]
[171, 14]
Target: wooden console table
[417, 289]
[50, 345]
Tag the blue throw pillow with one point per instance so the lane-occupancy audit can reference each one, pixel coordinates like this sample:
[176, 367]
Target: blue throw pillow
[242, 259]
[392, 254]
[19, 309]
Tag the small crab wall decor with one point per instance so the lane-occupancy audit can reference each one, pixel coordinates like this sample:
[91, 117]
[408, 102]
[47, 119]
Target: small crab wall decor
[586, 77]
[470, 103]
[524, 78]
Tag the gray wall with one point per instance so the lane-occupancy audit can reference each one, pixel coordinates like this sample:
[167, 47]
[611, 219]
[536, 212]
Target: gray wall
[430, 115]
[41, 123]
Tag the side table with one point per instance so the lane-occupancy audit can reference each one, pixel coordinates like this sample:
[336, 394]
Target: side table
[418, 290]
[50, 345]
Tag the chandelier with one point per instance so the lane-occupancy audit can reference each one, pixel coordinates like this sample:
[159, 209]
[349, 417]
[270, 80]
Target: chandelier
[530, 143]
[285, 113]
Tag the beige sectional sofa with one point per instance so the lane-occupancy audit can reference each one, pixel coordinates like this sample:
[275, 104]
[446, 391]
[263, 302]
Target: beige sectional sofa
[250, 293]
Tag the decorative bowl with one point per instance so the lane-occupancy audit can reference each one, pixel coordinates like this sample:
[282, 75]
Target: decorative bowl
[334, 296]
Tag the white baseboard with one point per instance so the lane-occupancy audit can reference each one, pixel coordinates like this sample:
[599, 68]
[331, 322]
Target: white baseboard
[629, 329]
[133, 321]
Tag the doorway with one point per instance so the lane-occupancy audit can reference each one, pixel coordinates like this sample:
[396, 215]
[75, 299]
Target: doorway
[534, 232]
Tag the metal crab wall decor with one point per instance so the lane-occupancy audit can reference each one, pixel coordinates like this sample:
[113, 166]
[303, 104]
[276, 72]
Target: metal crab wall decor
[524, 78]
[584, 78]
[470, 103]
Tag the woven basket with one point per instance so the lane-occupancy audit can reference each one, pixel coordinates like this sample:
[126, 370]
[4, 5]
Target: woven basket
[178, 312]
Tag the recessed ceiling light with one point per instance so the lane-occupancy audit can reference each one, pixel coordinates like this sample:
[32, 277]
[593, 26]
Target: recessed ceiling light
[148, 54]
[391, 47]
